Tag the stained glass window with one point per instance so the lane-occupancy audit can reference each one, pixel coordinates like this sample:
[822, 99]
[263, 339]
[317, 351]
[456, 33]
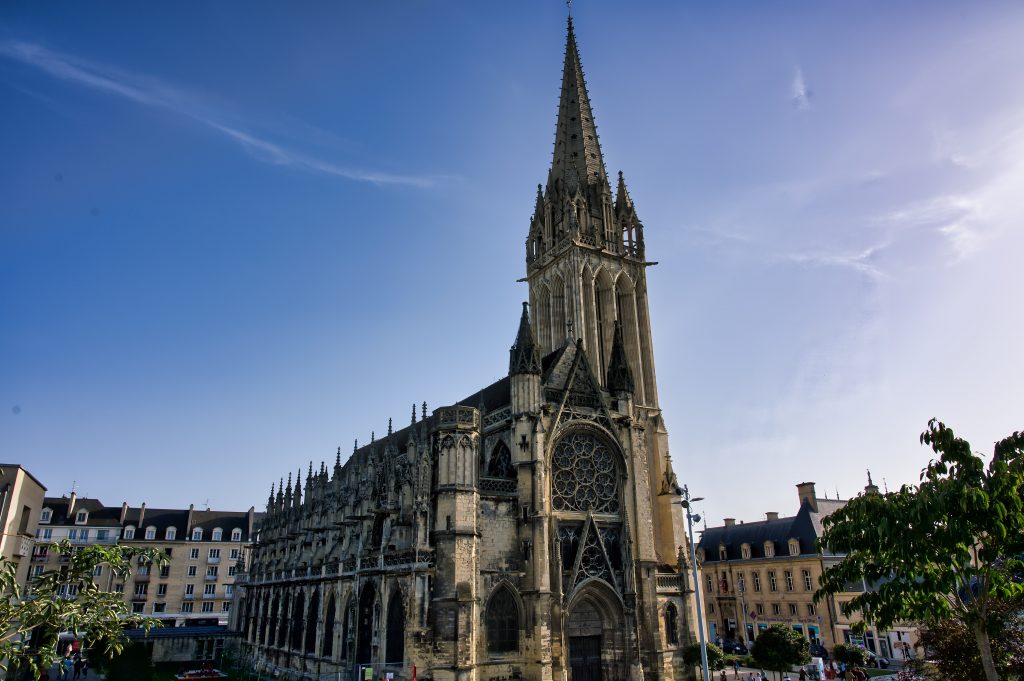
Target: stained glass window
[584, 476]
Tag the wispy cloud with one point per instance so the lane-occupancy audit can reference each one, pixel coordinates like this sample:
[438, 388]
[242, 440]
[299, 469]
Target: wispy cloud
[800, 95]
[860, 261]
[155, 94]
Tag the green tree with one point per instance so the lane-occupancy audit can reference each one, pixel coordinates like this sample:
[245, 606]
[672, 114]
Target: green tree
[942, 550]
[951, 645]
[778, 648]
[850, 654]
[716, 658]
[68, 599]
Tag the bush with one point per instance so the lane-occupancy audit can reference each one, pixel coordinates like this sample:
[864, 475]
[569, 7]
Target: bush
[850, 654]
[716, 659]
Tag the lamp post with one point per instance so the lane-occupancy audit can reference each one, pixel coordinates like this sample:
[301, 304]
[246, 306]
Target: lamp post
[691, 517]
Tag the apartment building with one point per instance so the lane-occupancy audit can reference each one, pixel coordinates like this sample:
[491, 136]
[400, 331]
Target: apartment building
[21, 500]
[204, 548]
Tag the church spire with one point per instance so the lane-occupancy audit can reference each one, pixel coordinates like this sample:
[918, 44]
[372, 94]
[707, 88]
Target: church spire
[576, 142]
[524, 357]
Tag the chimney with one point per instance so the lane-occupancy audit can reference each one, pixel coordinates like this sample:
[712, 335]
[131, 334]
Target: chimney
[805, 490]
[730, 522]
[71, 506]
[124, 511]
[772, 515]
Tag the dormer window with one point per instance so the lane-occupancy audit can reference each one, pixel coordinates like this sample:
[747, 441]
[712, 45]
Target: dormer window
[236, 534]
[769, 549]
[44, 515]
[700, 556]
[745, 551]
[722, 553]
[217, 534]
[81, 517]
[197, 534]
[794, 547]
[129, 532]
[170, 534]
[150, 533]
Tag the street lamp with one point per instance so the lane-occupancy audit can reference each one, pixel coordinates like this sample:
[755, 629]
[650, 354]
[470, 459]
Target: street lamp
[691, 518]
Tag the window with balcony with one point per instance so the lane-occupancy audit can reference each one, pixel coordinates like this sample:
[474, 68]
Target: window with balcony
[789, 580]
[37, 570]
[171, 533]
[150, 533]
[211, 572]
[186, 606]
[229, 591]
[208, 607]
[143, 571]
[210, 590]
[217, 534]
[102, 535]
[45, 534]
[741, 582]
[235, 553]
[190, 589]
[141, 589]
[236, 534]
[807, 580]
[197, 534]
[73, 535]
[214, 554]
[129, 532]
[192, 570]
[225, 607]
[44, 515]
[773, 584]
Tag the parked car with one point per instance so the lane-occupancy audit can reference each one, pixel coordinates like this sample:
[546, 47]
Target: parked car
[733, 647]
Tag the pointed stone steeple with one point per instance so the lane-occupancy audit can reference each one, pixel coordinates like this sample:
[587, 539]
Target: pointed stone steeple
[297, 495]
[337, 463]
[270, 500]
[524, 357]
[576, 142]
[620, 378]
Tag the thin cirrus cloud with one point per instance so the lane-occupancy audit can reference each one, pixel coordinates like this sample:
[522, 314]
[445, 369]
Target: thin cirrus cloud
[158, 95]
[799, 94]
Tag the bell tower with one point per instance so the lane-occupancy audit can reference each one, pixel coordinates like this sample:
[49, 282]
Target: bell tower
[585, 260]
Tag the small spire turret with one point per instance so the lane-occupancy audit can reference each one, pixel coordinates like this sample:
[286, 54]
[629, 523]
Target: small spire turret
[524, 356]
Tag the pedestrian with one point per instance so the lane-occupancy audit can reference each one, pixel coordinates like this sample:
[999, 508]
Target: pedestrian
[736, 668]
[722, 676]
[85, 669]
[78, 667]
[803, 674]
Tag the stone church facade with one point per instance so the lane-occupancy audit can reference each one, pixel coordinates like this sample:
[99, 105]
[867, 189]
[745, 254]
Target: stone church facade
[528, 531]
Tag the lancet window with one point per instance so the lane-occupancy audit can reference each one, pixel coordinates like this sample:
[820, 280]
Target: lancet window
[502, 621]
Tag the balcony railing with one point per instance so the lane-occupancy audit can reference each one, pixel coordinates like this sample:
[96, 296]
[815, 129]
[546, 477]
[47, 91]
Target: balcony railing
[213, 560]
[210, 578]
[188, 597]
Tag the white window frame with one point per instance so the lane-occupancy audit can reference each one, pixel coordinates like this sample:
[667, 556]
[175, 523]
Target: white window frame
[236, 534]
[45, 515]
[171, 533]
[217, 534]
[129, 532]
[197, 534]
[81, 518]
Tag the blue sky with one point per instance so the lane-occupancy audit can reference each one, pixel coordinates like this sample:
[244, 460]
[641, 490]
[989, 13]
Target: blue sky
[236, 236]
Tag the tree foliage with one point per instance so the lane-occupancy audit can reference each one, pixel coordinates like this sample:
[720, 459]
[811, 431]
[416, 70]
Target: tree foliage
[940, 550]
[716, 658]
[850, 654]
[779, 648]
[951, 644]
[69, 600]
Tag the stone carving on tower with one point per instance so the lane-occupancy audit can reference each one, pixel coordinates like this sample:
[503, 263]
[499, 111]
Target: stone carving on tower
[525, 532]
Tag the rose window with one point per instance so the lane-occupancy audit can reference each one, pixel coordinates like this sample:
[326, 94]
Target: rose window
[584, 475]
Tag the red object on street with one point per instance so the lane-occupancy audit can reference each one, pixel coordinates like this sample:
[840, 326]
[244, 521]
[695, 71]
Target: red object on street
[414, 673]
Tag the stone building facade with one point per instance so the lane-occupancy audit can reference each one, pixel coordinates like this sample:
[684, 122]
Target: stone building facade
[526, 531]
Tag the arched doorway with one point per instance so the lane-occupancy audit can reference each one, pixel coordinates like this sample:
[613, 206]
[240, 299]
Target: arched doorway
[596, 634]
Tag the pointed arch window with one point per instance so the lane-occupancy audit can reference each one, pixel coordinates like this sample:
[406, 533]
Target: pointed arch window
[297, 621]
[394, 651]
[502, 621]
[671, 624]
[312, 620]
[584, 475]
[282, 629]
[500, 465]
[328, 641]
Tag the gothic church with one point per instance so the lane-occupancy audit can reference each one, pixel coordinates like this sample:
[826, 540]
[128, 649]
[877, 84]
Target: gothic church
[528, 531]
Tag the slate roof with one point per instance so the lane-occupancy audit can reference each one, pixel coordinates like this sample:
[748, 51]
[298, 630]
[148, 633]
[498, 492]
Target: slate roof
[805, 527]
[99, 515]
